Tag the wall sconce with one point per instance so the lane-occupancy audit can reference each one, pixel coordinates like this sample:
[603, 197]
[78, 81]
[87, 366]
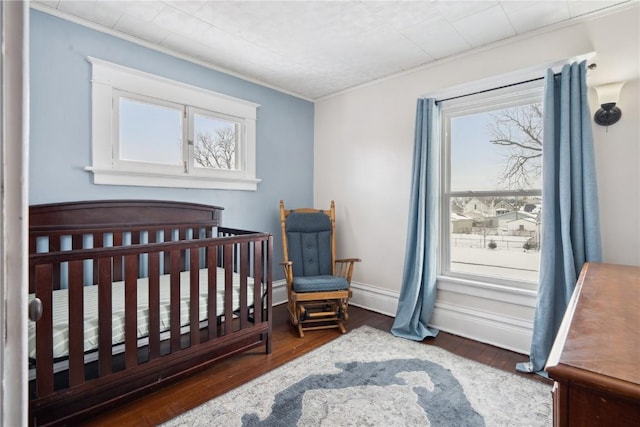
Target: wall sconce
[608, 113]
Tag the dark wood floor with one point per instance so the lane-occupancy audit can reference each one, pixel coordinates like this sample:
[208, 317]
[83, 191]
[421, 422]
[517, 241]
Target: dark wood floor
[174, 399]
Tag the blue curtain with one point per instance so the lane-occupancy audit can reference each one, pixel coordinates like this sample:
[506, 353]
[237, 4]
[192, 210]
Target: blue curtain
[570, 219]
[418, 292]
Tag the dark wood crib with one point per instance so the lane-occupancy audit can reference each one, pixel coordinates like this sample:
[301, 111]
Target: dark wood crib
[126, 295]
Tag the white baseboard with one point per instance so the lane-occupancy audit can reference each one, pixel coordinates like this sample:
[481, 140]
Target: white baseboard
[488, 327]
[279, 292]
[375, 299]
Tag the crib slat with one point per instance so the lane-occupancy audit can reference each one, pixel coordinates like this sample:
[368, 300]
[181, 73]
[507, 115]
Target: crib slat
[44, 331]
[244, 272]
[228, 289]
[182, 236]
[167, 235]
[56, 276]
[76, 323]
[257, 282]
[212, 291]
[154, 305]
[55, 244]
[33, 244]
[131, 311]
[32, 280]
[98, 242]
[77, 241]
[117, 261]
[194, 297]
[175, 300]
[104, 317]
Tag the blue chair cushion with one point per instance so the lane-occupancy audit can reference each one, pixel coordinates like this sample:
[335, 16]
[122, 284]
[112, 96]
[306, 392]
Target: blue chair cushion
[319, 283]
[309, 241]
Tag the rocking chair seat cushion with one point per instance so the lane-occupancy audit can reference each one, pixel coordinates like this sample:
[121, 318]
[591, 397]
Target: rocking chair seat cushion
[319, 283]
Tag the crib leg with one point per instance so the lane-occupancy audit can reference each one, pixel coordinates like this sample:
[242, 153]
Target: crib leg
[267, 338]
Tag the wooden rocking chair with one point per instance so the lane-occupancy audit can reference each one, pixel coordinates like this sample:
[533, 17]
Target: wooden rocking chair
[318, 284]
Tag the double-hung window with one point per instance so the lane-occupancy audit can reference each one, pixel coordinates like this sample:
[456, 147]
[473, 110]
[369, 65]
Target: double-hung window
[152, 131]
[491, 186]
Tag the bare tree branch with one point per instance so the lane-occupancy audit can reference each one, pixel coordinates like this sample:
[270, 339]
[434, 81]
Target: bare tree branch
[519, 131]
[516, 143]
[216, 151]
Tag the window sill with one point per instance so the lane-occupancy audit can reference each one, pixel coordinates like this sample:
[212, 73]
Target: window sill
[149, 179]
[483, 289]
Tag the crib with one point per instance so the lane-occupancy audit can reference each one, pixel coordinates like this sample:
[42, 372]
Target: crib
[127, 295]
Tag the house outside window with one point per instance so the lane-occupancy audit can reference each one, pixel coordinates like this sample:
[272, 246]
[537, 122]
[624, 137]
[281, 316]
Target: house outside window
[491, 166]
[152, 131]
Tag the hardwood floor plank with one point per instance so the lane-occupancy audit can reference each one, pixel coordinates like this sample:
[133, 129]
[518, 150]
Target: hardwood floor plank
[172, 400]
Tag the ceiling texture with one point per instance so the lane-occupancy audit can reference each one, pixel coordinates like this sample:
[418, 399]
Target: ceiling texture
[314, 49]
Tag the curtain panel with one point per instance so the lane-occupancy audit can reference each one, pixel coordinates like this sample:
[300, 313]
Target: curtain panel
[570, 218]
[418, 291]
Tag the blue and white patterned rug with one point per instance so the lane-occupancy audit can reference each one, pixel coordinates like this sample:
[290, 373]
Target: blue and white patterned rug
[369, 377]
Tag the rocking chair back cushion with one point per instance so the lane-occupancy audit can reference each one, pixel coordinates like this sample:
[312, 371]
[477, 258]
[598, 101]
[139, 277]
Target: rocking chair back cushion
[309, 240]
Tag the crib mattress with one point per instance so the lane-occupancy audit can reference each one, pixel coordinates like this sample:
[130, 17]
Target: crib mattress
[61, 309]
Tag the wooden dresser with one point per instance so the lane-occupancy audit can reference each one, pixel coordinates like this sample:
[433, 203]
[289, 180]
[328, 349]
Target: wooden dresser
[595, 359]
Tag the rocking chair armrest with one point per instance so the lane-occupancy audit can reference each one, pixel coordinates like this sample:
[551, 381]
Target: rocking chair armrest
[345, 268]
[351, 260]
[288, 271]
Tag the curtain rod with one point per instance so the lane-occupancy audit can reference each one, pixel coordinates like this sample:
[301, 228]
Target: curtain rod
[590, 66]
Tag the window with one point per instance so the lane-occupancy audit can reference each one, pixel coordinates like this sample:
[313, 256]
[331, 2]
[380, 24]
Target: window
[151, 131]
[491, 186]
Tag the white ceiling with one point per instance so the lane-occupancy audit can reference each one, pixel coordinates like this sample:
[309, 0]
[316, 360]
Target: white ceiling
[317, 48]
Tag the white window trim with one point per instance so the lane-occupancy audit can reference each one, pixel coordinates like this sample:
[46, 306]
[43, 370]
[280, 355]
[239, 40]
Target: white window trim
[108, 77]
[495, 99]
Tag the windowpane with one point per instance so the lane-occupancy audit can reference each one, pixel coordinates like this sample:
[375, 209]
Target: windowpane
[215, 144]
[496, 237]
[150, 133]
[493, 188]
[497, 150]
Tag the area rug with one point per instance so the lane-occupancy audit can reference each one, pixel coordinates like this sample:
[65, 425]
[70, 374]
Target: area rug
[369, 377]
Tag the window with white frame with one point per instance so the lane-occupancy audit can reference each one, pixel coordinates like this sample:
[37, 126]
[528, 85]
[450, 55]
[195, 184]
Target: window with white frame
[152, 131]
[491, 186]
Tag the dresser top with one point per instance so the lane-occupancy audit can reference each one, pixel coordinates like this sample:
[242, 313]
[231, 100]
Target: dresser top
[600, 334]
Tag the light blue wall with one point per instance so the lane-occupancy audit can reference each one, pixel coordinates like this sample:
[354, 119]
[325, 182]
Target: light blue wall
[60, 144]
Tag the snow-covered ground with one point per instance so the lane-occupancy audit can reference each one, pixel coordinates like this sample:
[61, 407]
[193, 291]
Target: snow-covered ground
[508, 259]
